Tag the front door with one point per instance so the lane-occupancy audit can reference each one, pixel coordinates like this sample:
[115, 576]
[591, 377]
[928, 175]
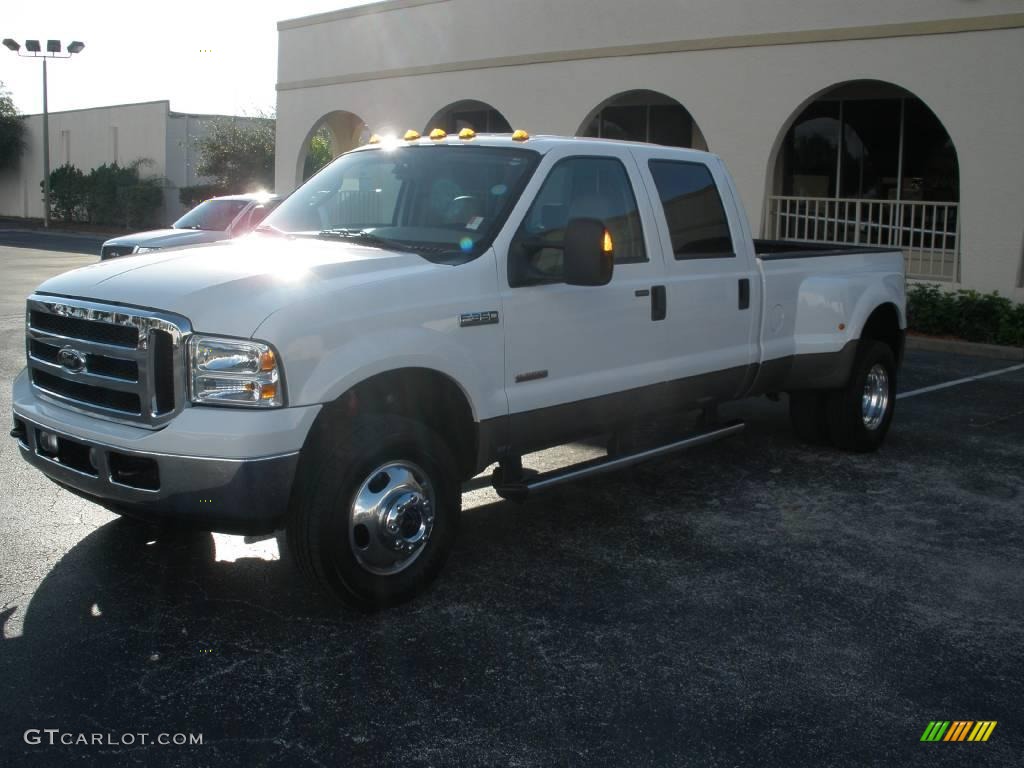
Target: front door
[577, 355]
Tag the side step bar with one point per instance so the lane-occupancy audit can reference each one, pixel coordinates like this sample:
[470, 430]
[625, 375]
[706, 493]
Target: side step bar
[519, 490]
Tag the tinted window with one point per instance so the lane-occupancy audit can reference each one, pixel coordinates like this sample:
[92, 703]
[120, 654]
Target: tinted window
[585, 188]
[213, 215]
[260, 212]
[693, 209]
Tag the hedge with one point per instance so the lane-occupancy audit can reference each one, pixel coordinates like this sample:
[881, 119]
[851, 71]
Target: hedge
[109, 195]
[988, 318]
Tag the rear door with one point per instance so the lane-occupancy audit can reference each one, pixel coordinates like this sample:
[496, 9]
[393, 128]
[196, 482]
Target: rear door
[577, 358]
[713, 285]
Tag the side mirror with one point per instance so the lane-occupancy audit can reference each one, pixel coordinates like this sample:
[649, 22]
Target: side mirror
[588, 254]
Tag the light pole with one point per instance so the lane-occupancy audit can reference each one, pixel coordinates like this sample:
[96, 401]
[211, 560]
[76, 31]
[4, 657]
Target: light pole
[53, 51]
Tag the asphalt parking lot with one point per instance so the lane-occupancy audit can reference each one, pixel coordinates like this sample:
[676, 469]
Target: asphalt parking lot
[755, 602]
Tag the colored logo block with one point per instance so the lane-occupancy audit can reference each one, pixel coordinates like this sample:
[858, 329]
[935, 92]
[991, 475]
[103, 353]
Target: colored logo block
[958, 730]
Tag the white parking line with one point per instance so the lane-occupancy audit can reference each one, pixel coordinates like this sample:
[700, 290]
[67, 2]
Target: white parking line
[957, 382]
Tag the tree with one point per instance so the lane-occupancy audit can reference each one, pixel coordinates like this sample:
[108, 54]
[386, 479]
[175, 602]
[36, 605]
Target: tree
[12, 131]
[238, 153]
[318, 154]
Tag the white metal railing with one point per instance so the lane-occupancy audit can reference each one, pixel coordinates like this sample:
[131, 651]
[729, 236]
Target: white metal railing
[927, 233]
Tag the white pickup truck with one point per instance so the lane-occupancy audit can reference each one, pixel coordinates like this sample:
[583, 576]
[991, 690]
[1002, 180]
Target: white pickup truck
[424, 308]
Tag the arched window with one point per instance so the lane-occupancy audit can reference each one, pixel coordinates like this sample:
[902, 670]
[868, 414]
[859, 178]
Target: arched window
[869, 163]
[644, 116]
[481, 117]
[333, 134]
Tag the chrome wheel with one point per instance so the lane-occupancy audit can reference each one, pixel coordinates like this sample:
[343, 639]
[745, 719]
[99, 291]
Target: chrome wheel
[391, 518]
[875, 401]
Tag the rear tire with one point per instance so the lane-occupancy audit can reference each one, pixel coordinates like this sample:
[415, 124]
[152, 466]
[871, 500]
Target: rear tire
[808, 417]
[375, 510]
[859, 415]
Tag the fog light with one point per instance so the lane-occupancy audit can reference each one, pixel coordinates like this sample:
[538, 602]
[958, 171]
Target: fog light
[49, 443]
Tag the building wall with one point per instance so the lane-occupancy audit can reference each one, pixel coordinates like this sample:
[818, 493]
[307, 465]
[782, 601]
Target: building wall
[91, 137]
[743, 70]
[85, 138]
[181, 160]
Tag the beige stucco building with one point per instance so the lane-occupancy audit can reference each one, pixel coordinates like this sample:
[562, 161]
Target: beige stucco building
[88, 138]
[849, 121]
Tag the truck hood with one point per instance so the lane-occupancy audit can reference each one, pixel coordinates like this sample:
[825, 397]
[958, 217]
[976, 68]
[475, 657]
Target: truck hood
[169, 238]
[230, 287]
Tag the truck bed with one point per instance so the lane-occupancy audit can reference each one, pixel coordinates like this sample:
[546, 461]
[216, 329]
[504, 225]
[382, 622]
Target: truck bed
[775, 250]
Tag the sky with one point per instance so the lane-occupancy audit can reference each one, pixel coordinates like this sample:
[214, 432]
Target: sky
[209, 57]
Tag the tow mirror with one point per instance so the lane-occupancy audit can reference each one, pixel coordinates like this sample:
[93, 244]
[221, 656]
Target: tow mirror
[588, 253]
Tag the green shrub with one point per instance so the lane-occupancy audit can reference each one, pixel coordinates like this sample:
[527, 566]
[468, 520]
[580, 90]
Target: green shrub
[105, 201]
[68, 193]
[142, 203]
[988, 318]
[109, 195]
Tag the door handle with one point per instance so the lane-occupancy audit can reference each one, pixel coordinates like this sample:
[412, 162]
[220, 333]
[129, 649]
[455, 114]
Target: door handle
[659, 303]
[744, 293]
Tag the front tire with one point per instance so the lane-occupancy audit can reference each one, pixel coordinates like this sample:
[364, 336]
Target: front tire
[859, 415]
[375, 510]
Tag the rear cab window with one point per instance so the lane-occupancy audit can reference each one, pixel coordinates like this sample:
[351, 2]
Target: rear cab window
[696, 218]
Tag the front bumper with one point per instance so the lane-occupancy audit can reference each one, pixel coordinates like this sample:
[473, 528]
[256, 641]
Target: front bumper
[231, 495]
[222, 469]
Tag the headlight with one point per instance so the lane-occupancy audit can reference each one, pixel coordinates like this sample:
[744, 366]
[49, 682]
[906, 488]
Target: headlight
[143, 249]
[234, 372]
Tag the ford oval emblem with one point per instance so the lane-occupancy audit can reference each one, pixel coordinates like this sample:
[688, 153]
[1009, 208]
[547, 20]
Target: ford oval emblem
[71, 360]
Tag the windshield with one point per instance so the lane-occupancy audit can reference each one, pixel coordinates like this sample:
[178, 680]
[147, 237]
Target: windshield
[213, 215]
[444, 202]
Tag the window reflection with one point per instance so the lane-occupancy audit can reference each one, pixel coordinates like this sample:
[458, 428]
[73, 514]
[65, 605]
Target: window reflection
[854, 147]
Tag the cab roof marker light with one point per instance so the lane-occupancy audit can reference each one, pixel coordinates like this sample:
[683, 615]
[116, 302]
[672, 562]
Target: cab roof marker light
[437, 134]
[520, 135]
[375, 139]
[467, 134]
[411, 135]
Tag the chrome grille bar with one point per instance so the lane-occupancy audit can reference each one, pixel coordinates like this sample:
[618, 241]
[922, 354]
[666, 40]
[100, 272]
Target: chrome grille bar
[84, 338]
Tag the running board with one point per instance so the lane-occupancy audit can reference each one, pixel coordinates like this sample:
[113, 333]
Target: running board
[518, 491]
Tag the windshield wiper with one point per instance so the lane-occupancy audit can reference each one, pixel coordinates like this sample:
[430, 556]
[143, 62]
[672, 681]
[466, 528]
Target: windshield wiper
[369, 238]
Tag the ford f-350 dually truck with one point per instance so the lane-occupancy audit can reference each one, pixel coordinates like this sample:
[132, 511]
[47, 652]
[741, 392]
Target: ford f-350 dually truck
[423, 308]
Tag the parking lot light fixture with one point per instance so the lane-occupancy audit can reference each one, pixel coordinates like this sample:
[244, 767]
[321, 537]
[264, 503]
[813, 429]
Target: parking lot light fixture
[53, 51]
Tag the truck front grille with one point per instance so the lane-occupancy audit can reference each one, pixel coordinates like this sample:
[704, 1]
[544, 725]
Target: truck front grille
[122, 363]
